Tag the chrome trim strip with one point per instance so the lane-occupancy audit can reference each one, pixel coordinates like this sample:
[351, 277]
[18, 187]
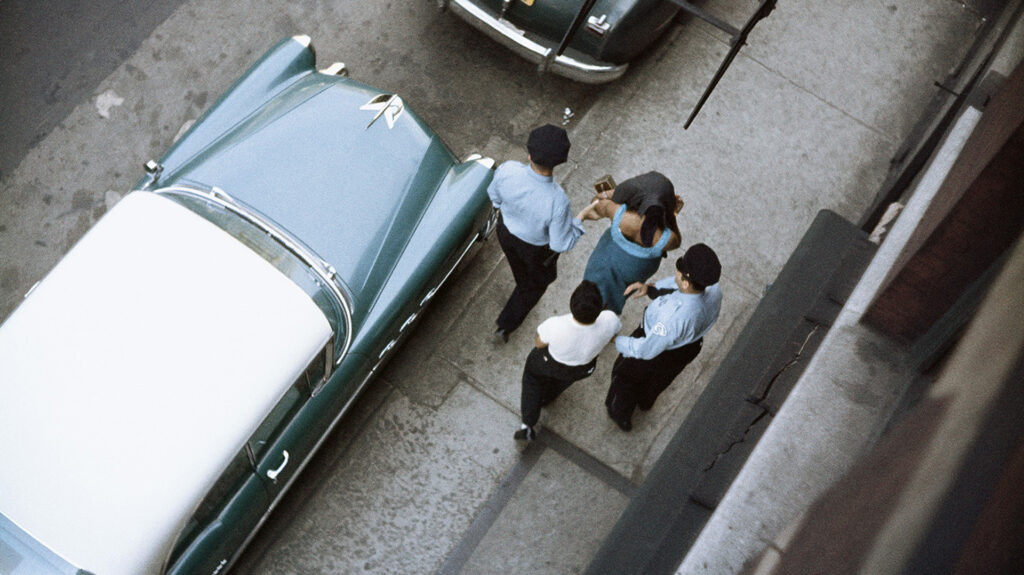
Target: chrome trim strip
[511, 37]
[387, 348]
[408, 321]
[31, 289]
[430, 294]
[492, 223]
[322, 269]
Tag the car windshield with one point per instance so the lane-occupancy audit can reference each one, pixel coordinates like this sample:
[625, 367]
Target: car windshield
[21, 553]
[273, 251]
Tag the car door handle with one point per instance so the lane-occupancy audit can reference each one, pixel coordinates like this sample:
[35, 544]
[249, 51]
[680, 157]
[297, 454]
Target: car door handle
[273, 473]
[429, 296]
[387, 348]
[407, 323]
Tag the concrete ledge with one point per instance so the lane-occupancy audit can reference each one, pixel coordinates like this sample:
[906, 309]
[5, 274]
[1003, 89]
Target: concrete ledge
[707, 451]
[839, 408]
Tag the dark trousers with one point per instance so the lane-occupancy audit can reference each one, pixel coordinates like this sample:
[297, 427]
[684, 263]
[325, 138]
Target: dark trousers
[638, 382]
[533, 267]
[544, 379]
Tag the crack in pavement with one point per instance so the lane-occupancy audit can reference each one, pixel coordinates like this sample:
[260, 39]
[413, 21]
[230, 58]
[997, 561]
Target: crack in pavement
[759, 400]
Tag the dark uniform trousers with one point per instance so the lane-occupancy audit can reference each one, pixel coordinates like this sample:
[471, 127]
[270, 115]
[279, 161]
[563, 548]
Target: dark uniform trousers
[544, 379]
[638, 382]
[533, 267]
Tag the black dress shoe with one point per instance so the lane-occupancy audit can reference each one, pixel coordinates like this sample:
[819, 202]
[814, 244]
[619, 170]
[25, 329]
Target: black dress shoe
[624, 424]
[525, 433]
[502, 334]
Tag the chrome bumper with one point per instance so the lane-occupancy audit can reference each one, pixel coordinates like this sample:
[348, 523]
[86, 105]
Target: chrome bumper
[580, 69]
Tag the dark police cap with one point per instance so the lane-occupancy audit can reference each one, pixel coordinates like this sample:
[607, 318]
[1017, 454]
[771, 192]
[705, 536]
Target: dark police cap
[700, 264]
[548, 146]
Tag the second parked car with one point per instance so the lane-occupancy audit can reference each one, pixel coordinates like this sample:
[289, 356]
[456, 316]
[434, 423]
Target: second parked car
[610, 35]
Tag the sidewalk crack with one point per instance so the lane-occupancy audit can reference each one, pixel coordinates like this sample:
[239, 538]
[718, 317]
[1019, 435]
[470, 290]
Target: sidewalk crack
[742, 438]
[758, 401]
[796, 359]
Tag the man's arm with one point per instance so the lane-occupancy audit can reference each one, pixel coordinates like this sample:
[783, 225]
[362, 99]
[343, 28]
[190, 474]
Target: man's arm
[640, 289]
[665, 327]
[647, 347]
[637, 289]
[492, 193]
[604, 208]
[655, 292]
[494, 188]
[589, 212]
[564, 230]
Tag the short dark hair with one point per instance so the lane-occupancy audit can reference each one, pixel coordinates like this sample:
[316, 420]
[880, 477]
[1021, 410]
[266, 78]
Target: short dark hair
[586, 302]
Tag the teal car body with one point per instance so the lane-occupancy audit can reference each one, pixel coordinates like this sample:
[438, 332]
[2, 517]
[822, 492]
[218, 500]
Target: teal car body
[614, 32]
[351, 197]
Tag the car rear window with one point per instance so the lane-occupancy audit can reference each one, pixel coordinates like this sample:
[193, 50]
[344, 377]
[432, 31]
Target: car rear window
[272, 251]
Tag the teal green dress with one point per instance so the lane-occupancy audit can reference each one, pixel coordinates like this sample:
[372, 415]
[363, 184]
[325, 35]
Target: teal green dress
[617, 262]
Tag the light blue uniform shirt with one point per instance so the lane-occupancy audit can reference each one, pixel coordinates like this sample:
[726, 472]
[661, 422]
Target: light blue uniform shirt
[673, 320]
[533, 207]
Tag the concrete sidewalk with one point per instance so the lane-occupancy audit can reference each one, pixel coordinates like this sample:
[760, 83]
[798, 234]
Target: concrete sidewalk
[807, 118]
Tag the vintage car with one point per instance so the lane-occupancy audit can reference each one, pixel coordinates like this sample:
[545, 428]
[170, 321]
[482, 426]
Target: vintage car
[601, 41]
[163, 385]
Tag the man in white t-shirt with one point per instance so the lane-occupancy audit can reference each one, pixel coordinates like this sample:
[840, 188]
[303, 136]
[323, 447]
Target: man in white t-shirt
[566, 351]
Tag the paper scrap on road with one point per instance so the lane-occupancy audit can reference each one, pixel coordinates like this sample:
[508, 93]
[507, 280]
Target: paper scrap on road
[106, 101]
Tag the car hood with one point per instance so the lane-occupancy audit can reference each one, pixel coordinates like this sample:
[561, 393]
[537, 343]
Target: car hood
[323, 151]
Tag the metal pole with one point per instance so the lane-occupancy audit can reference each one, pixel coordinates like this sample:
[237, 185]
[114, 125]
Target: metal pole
[738, 40]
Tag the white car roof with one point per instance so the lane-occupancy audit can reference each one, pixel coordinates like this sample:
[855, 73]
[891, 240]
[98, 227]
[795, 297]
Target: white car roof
[133, 373]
